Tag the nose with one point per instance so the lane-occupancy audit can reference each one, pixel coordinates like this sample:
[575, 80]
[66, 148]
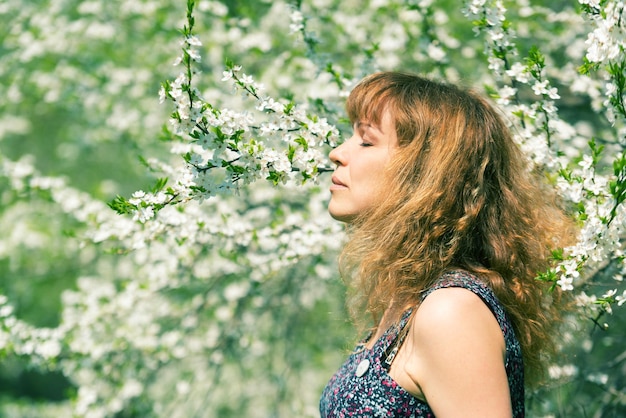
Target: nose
[338, 155]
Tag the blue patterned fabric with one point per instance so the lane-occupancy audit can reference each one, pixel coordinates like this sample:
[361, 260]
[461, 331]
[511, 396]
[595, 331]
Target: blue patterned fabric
[363, 388]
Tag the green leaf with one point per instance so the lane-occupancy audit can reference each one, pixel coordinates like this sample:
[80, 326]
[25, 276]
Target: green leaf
[121, 205]
[303, 142]
[159, 185]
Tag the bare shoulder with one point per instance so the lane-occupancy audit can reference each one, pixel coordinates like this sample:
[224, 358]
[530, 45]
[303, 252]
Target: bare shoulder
[450, 306]
[458, 355]
[456, 315]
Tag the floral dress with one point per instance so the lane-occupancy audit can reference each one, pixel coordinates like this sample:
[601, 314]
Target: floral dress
[363, 388]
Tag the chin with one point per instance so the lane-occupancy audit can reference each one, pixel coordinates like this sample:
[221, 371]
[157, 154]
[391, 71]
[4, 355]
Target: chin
[342, 217]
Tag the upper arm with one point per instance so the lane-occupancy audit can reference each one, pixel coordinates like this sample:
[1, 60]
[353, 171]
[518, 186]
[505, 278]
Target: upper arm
[458, 351]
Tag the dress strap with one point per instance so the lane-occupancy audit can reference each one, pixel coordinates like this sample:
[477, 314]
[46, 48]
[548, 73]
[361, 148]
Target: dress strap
[401, 329]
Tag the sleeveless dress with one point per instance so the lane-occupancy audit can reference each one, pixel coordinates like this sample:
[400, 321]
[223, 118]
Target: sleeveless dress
[363, 388]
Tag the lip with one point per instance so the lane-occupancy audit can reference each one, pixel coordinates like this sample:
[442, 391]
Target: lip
[337, 184]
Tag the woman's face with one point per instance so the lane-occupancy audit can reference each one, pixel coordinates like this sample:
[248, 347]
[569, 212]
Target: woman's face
[360, 162]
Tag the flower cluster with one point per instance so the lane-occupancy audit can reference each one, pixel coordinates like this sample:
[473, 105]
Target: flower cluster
[116, 335]
[606, 45]
[542, 135]
[608, 39]
[225, 149]
[489, 17]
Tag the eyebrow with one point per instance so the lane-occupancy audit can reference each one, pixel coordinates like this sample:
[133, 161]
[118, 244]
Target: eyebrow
[363, 125]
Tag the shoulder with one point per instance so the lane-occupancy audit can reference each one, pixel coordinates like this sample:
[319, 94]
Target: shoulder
[456, 342]
[455, 312]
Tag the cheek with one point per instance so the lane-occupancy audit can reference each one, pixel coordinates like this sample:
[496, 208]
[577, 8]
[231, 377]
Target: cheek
[371, 183]
[374, 172]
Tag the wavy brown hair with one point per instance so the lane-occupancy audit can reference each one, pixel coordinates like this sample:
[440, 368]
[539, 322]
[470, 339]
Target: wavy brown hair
[459, 194]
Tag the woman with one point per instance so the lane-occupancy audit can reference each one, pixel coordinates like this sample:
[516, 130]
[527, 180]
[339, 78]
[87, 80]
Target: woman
[447, 232]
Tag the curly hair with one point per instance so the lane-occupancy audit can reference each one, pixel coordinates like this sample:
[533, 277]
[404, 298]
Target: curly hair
[459, 193]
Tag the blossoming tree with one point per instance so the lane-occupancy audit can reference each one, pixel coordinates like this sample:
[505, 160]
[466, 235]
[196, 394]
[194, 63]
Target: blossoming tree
[201, 281]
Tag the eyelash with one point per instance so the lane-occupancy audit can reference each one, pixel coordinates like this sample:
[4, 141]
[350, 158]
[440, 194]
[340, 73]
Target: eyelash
[364, 142]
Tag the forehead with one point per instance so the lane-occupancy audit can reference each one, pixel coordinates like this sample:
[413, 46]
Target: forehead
[368, 103]
[384, 125]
